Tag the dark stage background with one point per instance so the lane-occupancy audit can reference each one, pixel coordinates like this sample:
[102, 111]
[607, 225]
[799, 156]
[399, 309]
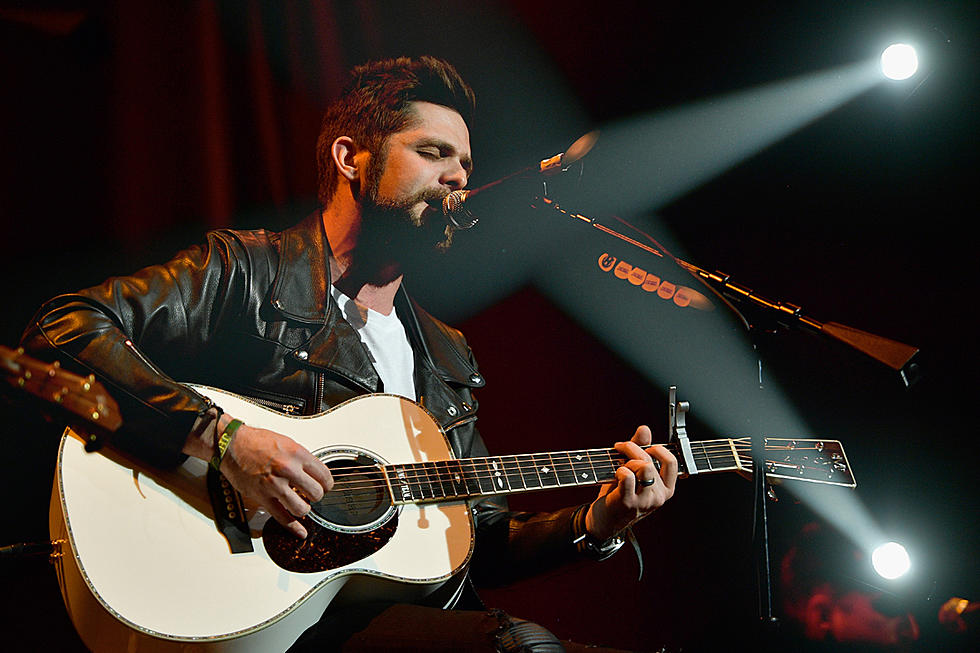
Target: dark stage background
[129, 129]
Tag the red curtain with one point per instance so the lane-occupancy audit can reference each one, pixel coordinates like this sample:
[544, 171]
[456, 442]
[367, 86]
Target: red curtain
[216, 107]
[137, 116]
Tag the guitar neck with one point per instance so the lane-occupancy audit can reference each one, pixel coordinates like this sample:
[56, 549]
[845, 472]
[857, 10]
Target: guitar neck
[470, 478]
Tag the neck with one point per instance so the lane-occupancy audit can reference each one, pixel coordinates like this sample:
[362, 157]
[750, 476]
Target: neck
[357, 269]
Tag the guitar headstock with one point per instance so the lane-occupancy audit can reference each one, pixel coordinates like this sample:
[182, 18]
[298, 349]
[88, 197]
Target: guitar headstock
[814, 461]
[82, 397]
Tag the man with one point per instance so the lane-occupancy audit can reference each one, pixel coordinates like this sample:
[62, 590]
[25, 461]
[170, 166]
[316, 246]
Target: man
[316, 315]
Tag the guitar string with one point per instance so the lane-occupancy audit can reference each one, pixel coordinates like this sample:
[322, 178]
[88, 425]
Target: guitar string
[522, 461]
[437, 479]
[556, 462]
[474, 470]
[333, 499]
[481, 469]
[559, 461]
[709, 449]
[524, 458]
[447, 471]
[437, 486]
[437, 483]
[436, 496]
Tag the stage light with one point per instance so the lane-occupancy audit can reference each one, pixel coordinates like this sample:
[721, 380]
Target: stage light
[899, 61]
[891, 560]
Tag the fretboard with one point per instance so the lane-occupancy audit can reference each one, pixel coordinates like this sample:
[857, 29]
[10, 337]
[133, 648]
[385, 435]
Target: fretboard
[450, 480]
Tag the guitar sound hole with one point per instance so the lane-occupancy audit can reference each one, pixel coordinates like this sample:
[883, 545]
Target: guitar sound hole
[352, 521]
[359, 499]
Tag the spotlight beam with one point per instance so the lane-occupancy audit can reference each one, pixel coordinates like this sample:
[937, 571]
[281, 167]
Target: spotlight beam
[673, 152]
[646, 163]
[650, 161]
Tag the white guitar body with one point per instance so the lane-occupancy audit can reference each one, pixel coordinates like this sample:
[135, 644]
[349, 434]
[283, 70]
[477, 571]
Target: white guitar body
[143, 567]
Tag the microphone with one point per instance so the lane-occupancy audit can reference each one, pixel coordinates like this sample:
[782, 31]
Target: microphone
[461, 206]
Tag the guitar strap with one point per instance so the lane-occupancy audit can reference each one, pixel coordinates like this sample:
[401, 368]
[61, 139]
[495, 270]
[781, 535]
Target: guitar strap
[635, 543]
[229, 513]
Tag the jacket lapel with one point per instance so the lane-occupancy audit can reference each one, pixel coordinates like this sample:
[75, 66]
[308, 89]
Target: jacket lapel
[299, 292]
[440, 345]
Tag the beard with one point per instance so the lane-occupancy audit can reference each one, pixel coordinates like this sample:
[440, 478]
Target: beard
[400, 224]
[394, 221]
[395, 235]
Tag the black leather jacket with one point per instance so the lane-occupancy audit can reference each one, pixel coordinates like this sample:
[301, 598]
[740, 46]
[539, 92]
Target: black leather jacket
[249, 312]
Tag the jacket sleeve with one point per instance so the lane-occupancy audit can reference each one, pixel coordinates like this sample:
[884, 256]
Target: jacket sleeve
[164, 313]
[511, 545]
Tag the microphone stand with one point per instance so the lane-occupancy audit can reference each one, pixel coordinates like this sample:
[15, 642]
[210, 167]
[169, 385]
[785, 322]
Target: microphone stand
[769, 316]
[768, 623]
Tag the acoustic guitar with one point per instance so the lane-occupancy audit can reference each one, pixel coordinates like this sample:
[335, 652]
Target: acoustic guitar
[155, 560]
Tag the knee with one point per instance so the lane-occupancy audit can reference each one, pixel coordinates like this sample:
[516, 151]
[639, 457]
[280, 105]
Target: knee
[521, 636]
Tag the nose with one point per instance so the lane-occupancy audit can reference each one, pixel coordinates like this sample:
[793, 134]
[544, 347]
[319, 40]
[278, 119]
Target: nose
[455, 175]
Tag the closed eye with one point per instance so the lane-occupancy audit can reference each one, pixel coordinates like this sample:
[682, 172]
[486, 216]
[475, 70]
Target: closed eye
[436, 151]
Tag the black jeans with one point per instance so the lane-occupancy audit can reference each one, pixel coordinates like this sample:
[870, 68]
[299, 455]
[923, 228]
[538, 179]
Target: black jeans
[383, 628]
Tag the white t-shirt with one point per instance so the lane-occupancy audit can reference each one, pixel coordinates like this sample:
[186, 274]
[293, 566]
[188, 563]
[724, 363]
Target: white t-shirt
[387, 344]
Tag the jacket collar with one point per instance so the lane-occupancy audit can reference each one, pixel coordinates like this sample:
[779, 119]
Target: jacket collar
[299, 292]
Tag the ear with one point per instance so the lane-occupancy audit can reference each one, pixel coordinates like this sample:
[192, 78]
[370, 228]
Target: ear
[343, 152]
[818, 615]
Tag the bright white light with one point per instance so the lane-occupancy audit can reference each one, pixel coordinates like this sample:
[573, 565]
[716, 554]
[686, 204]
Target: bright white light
[899, 61]
[891, 560]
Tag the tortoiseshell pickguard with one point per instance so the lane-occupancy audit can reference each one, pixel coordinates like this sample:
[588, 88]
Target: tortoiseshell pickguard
[323, 549]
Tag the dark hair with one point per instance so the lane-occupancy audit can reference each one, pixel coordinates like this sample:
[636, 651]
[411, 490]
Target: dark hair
[376, 103]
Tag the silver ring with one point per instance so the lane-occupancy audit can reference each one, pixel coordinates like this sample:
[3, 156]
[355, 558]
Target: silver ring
[647, 483]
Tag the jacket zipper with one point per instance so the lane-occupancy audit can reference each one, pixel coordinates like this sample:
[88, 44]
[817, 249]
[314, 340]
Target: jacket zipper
[321, 381]
[289, 409]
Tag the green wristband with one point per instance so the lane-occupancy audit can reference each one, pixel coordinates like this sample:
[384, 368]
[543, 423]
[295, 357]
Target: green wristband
[223, 442]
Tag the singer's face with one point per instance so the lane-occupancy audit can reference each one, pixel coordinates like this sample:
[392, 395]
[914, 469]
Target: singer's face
[416, 169]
